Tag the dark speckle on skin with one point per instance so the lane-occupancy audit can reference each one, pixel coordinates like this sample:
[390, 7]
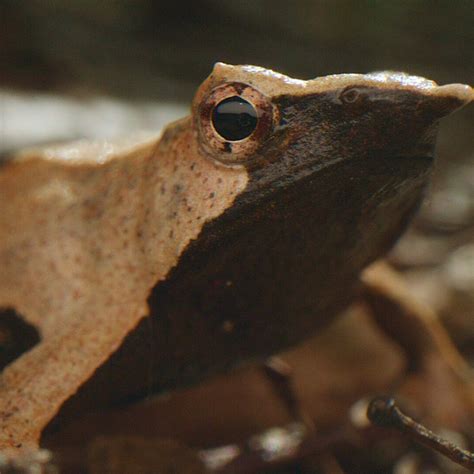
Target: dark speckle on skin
[211, 195]
[228, 147]
[239, 87]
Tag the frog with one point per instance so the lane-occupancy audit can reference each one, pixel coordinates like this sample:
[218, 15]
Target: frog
[150, 262]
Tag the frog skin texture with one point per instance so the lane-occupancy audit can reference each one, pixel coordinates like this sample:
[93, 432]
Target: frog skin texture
[151, 262]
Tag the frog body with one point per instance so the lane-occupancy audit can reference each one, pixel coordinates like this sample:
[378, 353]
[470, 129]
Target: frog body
[149, 264]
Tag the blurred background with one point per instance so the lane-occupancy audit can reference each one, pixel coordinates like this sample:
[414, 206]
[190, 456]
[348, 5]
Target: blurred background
[83, 68]
[144, 52]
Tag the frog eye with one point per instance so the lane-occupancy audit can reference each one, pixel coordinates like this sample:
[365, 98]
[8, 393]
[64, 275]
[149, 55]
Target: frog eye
[233, 121]
[234, 118]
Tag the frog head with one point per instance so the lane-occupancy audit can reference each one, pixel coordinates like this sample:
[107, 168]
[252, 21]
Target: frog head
[336, 167]
[253, 117]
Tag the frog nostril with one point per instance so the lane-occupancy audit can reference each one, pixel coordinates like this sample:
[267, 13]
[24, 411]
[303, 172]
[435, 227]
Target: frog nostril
[16, 336]
[349, 96]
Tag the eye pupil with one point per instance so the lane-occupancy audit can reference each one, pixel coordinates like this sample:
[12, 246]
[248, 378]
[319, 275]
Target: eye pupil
[234, 118]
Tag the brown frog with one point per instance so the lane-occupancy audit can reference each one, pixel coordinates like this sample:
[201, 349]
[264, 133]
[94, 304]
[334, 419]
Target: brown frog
[151, 262]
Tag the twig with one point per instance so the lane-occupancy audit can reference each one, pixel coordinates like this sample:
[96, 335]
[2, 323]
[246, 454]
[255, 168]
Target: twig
[386, 413]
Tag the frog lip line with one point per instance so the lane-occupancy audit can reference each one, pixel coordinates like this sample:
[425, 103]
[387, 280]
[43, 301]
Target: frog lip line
[312, 168]
[414, 155]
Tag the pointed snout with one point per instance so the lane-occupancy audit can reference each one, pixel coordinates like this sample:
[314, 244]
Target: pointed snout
[440, 100]
[436, 102]
[451, 97]
[462, 92]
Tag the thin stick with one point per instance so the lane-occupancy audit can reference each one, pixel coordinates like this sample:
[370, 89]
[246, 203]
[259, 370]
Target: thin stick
[386, 413]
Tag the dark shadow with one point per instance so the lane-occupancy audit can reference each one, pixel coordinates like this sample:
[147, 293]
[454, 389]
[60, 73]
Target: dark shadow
[16, 336]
